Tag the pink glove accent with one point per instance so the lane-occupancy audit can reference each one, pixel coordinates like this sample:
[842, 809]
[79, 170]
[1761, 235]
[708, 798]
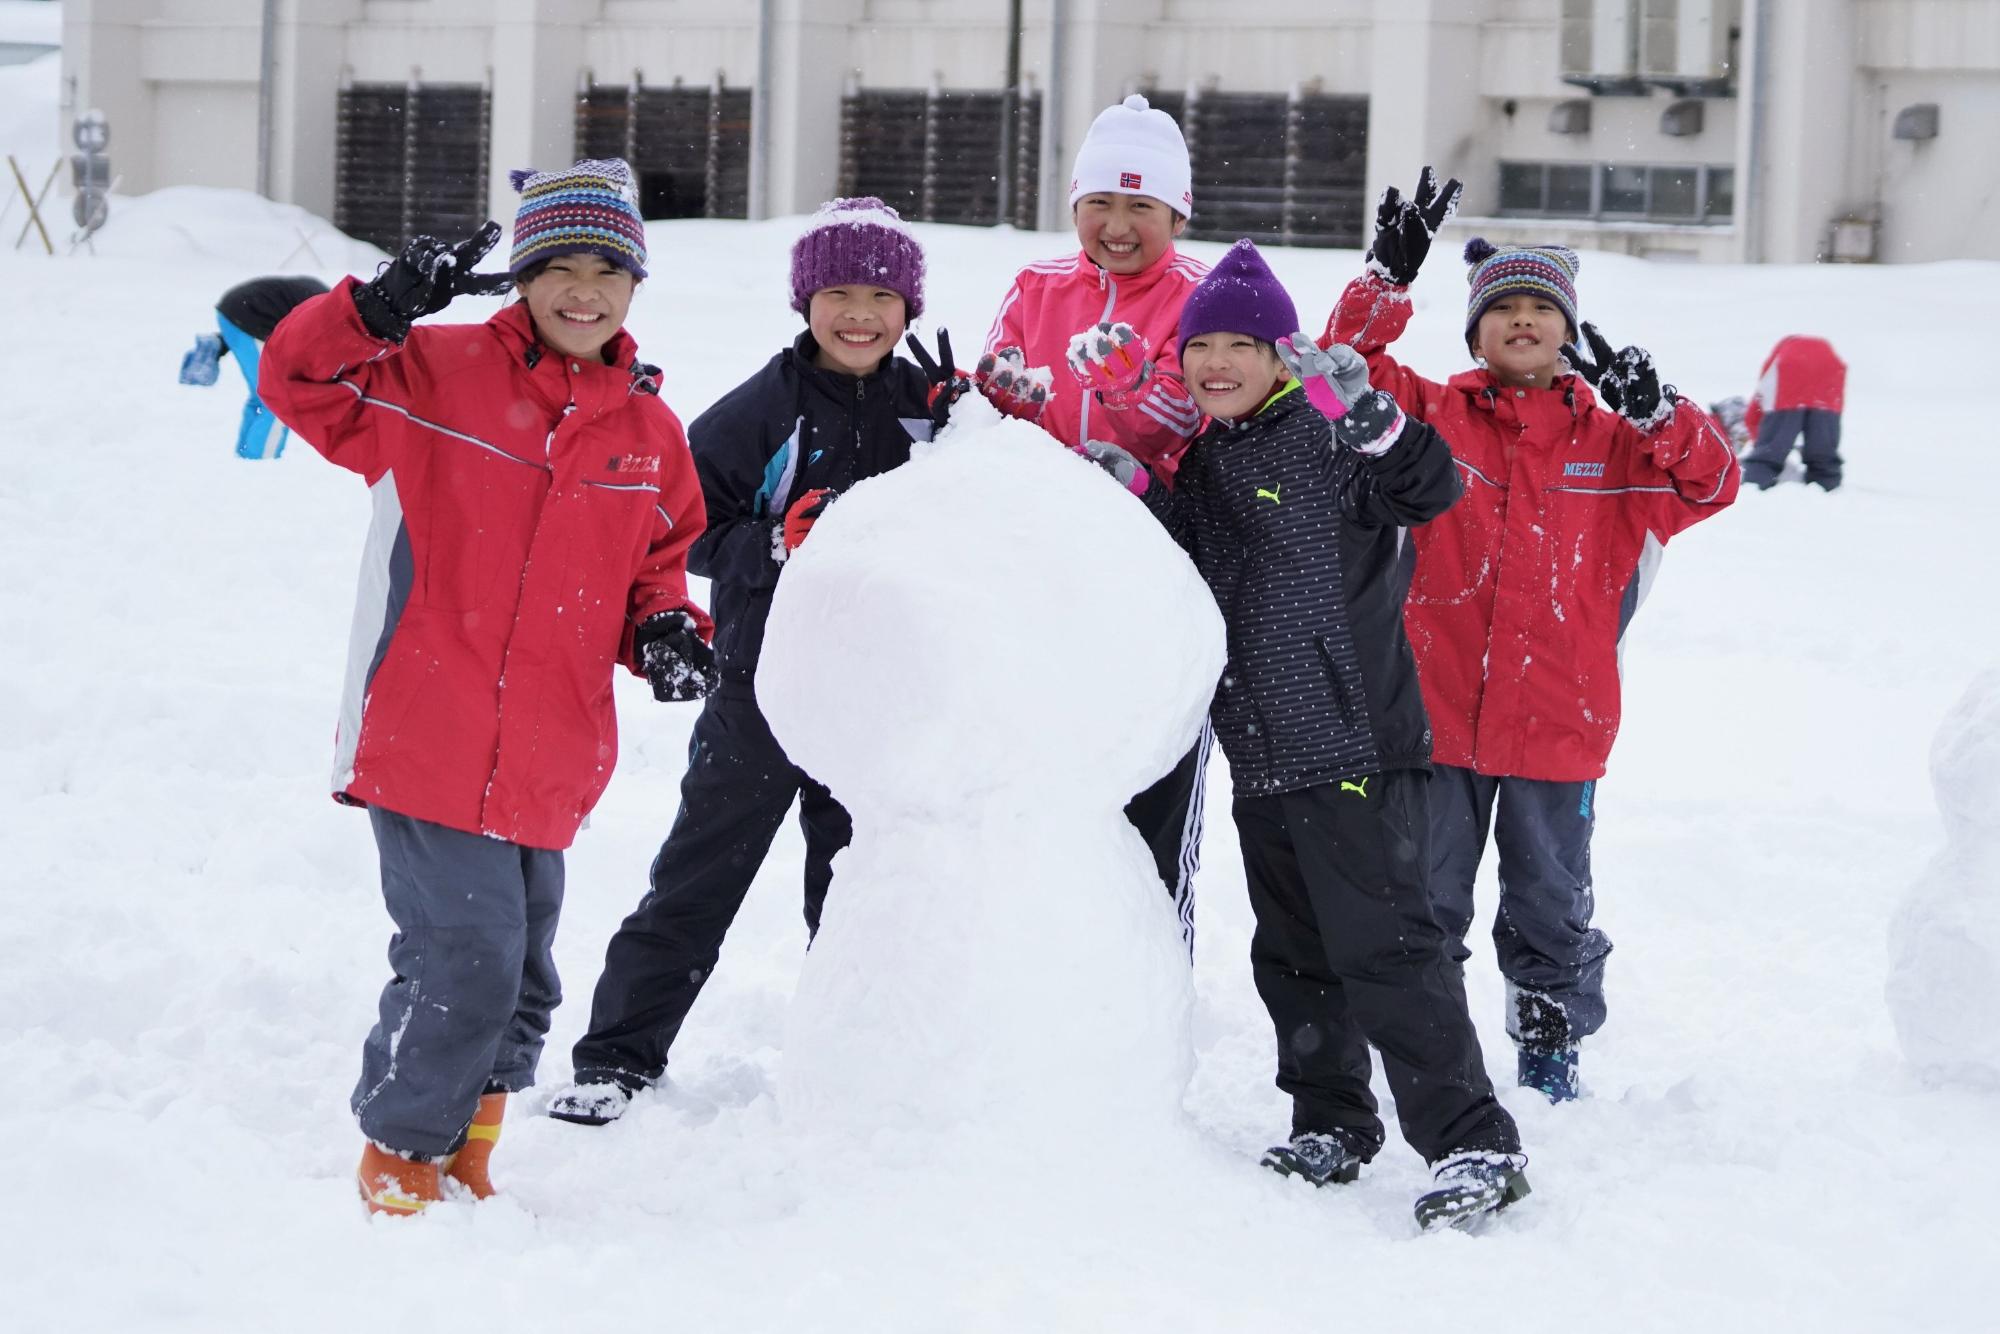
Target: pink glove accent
[1112, 360]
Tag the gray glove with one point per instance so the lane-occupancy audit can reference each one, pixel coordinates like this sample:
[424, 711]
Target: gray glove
[1334, 377]
[1120, 463]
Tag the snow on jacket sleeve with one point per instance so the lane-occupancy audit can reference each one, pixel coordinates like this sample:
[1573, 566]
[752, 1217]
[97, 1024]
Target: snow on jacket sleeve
[661, 581]
[318, 369]
[1411, 482]
[732, 450]
[1696, 457]
[1371, 314]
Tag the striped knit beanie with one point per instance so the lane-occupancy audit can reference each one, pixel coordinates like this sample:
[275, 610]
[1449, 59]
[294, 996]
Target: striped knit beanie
[592, 207]
[1497, 271]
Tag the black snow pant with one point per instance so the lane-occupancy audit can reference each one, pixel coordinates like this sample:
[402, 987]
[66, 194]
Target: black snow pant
[1347, 954]
[1168, 816]
[1776, 435]
[738, 789]
[474, 980]
[1550, 954]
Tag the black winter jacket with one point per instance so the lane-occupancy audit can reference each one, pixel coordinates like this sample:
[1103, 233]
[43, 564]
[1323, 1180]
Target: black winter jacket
[1300, 539]
[256, 306]
[787, 430]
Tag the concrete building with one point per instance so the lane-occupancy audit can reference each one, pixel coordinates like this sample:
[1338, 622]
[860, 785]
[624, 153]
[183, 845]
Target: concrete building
[1783, 130]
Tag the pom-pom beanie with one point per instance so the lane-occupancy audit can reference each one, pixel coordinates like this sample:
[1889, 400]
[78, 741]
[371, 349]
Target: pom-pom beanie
[592, 207]
[1134, 150]
[1497, 271]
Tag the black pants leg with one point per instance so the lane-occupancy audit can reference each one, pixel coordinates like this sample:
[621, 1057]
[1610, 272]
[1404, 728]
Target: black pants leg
[738, 787]
[1168, 816]
[1820, 451]
[1356, 858]
[1461, 806]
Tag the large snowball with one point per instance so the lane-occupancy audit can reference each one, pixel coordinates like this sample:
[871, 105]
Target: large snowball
[985, 654]
[1944, 942]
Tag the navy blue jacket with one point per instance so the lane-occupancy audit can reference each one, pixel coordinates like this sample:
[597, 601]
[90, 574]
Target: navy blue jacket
[788, 429]
[1300, 539]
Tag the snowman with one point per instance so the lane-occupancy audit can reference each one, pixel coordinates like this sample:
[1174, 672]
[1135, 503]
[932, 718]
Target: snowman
[984, 654]
[1944, 943]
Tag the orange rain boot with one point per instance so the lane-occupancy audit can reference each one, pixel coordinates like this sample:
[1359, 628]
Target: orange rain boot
[468, 1166]
[394, 1185]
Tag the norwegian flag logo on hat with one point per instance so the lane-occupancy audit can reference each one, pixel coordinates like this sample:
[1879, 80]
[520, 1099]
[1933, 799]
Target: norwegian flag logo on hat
[1130, 180]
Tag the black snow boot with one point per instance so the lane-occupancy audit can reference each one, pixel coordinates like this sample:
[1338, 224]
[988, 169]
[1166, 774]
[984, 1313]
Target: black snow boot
[1471, 1185]
[1325, 1158]
[591, 1103]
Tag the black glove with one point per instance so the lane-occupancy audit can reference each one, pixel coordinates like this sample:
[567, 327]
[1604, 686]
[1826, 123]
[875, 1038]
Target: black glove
[1625, 380]
[1404, 227]
[680, 665]
[947, 381]
[423, 279]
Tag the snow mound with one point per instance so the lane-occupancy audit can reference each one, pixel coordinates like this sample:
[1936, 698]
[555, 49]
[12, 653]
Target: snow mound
[203, 222]
[985, 654]
[1944, 942]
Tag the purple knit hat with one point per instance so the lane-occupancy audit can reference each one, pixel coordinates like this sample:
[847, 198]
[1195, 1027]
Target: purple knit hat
[1240, 295]
[859, 240]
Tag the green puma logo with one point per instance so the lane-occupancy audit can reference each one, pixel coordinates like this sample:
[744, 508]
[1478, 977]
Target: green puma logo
[1360, 787]
[1270, 495]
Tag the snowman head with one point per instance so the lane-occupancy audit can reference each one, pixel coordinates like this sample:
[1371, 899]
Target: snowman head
[995, 626]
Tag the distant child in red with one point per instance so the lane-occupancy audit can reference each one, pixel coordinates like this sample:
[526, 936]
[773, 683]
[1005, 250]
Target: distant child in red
[1800, 392]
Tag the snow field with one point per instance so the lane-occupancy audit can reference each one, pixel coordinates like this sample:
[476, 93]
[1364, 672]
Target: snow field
[193, 939]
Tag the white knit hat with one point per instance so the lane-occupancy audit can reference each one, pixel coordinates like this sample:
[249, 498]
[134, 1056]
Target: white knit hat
[1134, 150]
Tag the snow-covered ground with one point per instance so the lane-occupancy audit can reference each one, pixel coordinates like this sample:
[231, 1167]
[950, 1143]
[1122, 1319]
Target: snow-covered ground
[191, 936]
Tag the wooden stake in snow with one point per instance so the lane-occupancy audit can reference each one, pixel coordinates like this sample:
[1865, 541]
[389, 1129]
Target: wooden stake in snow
[34, 203]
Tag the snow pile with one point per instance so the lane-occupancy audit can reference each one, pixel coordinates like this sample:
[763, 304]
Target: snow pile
[1944, 943]
[985, 654]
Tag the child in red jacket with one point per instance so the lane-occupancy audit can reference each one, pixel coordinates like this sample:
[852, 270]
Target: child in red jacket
[534, 504]
[1800, 393]
[1577, 470]
[1086, 347]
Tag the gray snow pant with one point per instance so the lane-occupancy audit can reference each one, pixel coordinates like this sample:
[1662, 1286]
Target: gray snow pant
[474, 985]
[1551, 956]
[1776, 435]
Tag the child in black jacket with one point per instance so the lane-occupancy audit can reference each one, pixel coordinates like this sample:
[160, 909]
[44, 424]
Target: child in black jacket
[1295, 524]
[835, 407]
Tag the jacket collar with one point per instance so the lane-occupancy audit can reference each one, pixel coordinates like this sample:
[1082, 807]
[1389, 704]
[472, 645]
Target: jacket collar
[1479, 385]
[599, 385]
[1131, 283]
[836, 384]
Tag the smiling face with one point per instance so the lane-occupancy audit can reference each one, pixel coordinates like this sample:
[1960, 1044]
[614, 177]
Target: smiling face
[578, 302]
[1520, 337]
[1125, 233]
[855, 326]
[1230, 374]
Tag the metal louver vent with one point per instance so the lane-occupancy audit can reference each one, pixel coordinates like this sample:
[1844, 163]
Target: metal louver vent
[411, 159]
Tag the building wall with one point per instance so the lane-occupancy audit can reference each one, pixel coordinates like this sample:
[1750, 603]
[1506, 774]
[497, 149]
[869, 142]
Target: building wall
[1460, 84]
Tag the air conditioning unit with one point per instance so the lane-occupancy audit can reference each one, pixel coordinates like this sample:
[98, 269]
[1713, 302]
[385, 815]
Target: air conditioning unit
[1600, 46]
[1689, 46]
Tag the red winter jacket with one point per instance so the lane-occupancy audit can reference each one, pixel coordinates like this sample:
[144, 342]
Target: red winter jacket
[529, 510]
[1524, 588]
[1051, 302]
[1801, 372]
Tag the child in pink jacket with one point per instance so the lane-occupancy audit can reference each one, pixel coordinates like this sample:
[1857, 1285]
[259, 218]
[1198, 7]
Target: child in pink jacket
[1085, 346]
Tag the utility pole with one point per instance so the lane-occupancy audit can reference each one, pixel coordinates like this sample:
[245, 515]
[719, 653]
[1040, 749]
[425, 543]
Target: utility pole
[266, 94]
